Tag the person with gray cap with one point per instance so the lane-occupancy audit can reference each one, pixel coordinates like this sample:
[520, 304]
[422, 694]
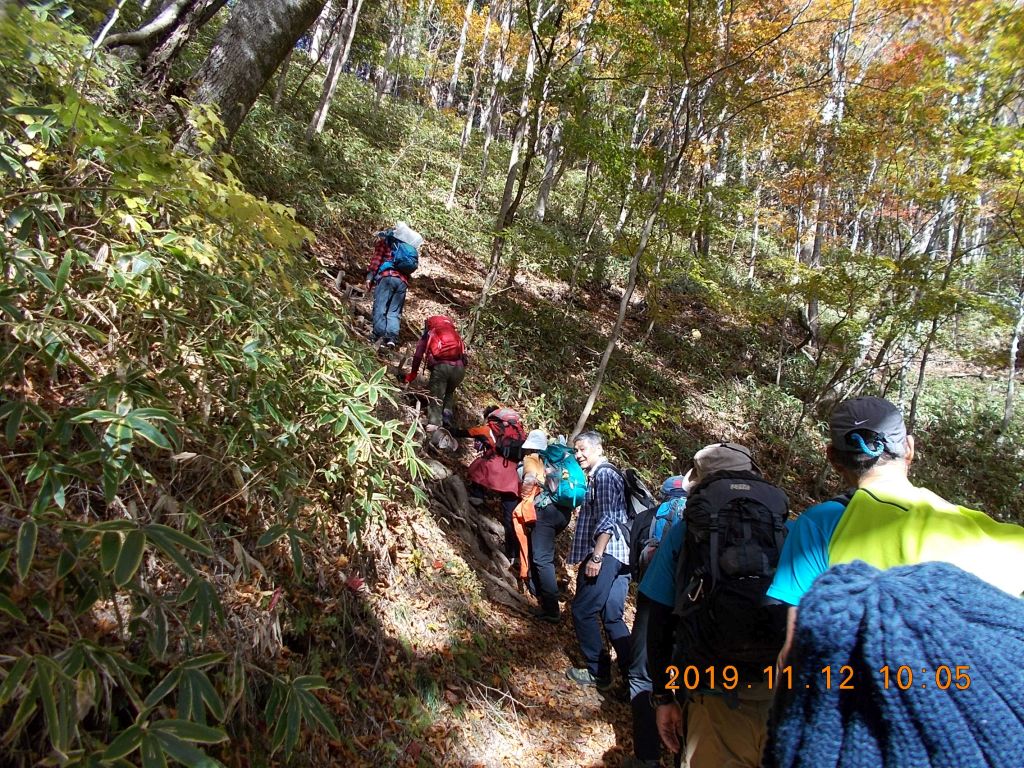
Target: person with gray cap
[707, 618]
[885, 520]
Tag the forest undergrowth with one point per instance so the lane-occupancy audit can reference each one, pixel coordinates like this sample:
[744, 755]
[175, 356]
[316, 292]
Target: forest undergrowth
[214, 536]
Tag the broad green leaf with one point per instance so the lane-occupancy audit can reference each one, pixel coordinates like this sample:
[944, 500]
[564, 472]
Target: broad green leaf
[62, 273]
[8, 607]
[148, 431]
[201, 662]
[14, 678]
[309, 683]
[316, 711]
[204, 690]
[152, 752]
[163, 688]
[12, 414]
[293, 717]
[97, 415]
[110, 548]
[27, 535]
[184, 752]
[179, 538]
[296, 548]
[45, 678]
[272, 534]
[190, 731]
[130, 557]
[165, 545]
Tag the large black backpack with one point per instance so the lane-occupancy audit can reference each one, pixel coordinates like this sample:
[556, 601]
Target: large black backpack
[735, 527]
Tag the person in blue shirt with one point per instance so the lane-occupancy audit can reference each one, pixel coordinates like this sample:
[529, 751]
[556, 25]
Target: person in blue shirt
[646, 741]
[707, 729]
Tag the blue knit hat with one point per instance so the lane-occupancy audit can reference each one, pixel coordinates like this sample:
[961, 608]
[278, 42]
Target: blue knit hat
[930, 618]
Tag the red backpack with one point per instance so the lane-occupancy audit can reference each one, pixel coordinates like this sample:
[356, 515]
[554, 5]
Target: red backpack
[509, 434]
[444, 343]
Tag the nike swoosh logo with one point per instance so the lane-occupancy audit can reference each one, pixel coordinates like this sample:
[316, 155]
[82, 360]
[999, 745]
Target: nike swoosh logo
[858, 423]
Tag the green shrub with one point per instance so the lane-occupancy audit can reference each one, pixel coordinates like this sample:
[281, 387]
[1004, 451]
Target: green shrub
[176, 394]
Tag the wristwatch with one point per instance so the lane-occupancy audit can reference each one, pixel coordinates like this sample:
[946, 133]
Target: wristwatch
[596, 559]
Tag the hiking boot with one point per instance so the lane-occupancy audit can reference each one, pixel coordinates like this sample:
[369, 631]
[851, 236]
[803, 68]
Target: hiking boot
[390, 345]
[582, 676]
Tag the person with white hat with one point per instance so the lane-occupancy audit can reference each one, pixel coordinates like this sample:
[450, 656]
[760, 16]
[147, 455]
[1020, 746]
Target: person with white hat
[395, 258]
[541, 464]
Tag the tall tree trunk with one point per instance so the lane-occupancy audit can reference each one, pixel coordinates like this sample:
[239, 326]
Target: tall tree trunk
[282, 79]
[323, 29]
[832, 113]
[467, 128]
[453, 84]
[248, 50]
[339, 55]
[547, 181]
[518, 163]
[1018, 329]
[489, 116]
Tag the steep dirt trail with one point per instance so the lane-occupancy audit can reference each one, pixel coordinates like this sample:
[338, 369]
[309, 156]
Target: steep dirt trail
[516, 708]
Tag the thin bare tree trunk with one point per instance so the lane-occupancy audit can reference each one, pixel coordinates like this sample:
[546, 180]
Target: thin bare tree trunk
[282, 79]
[339, 55]
[489, 116]
[453, 84]
[627, 295]
[547, 181]
[467, 128]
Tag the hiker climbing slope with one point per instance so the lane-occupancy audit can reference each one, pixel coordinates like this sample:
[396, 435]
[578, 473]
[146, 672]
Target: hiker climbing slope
[494, 471]
[887, 521]
[395, 258]
[444, 354]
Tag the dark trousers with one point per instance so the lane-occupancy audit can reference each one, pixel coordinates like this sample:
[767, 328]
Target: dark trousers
[509, 502]
[551, 521]
[646, 741]
[444, 378]
[600, 602]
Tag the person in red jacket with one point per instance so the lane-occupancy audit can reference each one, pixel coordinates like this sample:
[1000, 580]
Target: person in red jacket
[442, 349]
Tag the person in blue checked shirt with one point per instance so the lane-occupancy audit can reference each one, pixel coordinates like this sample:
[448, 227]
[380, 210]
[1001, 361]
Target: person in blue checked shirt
[601, 550]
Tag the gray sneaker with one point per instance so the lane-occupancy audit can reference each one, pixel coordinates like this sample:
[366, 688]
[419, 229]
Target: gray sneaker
[583, 676]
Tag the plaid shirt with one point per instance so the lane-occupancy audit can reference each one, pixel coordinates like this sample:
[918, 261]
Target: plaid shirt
[382, 253]
[603, 509]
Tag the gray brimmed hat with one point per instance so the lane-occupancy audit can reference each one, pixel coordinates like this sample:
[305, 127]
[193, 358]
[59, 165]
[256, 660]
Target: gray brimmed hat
[868, 425]
[722, 457]
[537, 440]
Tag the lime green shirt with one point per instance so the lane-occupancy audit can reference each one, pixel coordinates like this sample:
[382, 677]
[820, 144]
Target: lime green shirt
[896, 523]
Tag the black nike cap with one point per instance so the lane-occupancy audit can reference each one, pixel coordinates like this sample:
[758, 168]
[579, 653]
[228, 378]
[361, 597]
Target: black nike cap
[868, 425]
